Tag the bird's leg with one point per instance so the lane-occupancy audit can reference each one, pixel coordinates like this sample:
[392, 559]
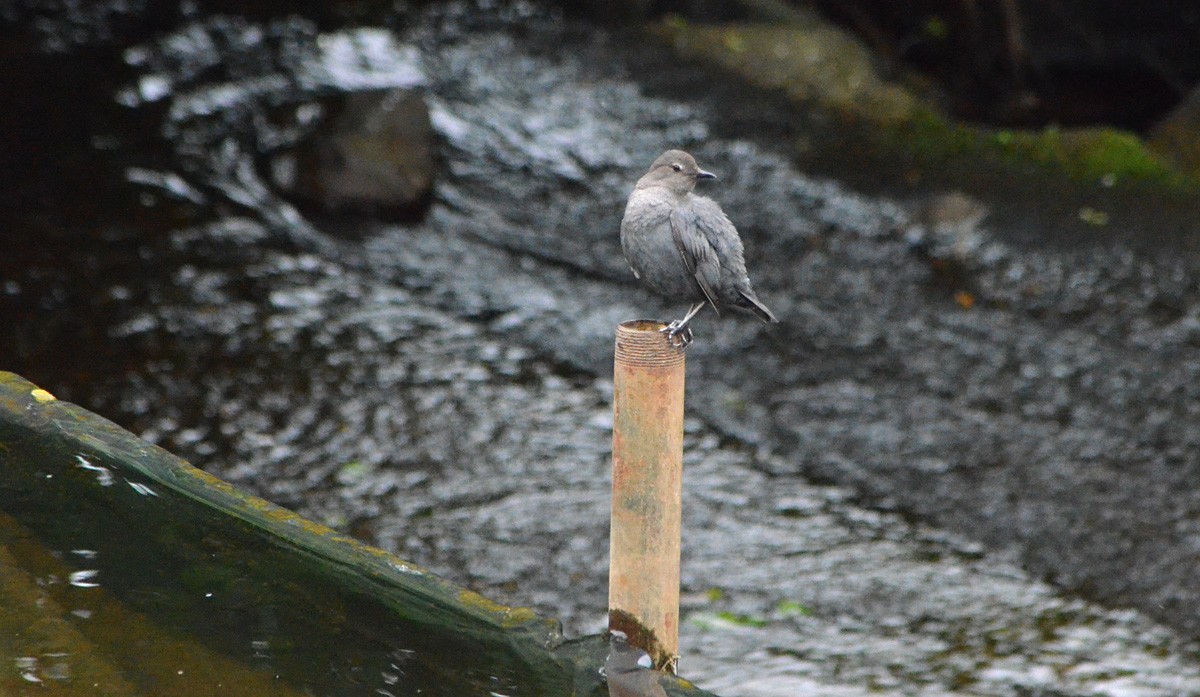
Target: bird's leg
[678, 332]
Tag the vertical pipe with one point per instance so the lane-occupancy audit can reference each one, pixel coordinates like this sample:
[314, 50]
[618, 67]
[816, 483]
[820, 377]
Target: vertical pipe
[643, 575]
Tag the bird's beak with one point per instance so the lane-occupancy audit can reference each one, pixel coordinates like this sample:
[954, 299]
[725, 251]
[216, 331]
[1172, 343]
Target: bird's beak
[701, 174]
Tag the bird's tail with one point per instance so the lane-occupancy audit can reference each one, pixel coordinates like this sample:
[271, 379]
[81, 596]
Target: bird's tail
[754, 305]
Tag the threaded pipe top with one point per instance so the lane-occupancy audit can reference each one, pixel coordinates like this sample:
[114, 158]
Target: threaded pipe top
[640, 343]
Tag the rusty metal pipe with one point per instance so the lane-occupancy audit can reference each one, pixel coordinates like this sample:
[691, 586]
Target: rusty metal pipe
[643, 575]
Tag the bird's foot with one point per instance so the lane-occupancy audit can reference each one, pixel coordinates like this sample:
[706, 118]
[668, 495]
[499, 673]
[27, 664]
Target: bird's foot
[679, 334]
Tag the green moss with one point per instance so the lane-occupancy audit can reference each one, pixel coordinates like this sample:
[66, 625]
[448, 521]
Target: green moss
[830, 71]
[793, 608]
[742, 620]
[1098, 154]
[1093, 155]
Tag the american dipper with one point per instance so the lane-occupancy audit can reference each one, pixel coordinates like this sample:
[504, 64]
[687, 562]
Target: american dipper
[683, 246]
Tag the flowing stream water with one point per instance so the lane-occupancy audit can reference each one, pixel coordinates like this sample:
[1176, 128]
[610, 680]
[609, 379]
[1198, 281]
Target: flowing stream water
[889, 493]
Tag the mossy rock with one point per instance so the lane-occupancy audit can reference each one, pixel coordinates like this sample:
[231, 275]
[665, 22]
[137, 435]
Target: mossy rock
[826, 69]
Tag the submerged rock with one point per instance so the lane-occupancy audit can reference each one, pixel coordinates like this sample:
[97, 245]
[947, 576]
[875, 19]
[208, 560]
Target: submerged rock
[376, 154]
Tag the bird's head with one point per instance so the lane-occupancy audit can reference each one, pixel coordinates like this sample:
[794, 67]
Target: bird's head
[675, 170]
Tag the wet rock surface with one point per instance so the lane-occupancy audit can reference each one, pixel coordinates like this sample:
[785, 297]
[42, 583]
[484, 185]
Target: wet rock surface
[441, 388]
[377, 158]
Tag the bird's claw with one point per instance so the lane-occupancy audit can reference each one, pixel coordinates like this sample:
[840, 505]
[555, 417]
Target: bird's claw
[679, 334]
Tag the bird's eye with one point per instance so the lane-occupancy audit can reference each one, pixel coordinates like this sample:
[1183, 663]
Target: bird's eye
[677, 167]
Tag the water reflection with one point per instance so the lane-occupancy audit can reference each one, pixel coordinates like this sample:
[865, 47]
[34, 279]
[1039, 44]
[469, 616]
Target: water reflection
[233, 594]
[142, 489]
[103, 475]
[84, 578]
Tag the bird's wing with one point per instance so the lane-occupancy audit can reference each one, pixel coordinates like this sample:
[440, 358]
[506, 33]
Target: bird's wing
[720, 234]
[728, 257]
[694, 250]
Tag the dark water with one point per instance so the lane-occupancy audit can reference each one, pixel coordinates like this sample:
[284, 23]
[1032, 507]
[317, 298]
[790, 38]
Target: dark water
[441, 389]
[127, 580]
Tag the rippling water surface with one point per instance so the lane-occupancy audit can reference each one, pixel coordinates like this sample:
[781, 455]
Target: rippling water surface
[440, 388]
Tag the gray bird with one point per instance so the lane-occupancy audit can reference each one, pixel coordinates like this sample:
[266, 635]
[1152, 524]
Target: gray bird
[683, 246]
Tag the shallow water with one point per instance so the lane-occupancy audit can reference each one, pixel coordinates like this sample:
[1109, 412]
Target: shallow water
[440, 389]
